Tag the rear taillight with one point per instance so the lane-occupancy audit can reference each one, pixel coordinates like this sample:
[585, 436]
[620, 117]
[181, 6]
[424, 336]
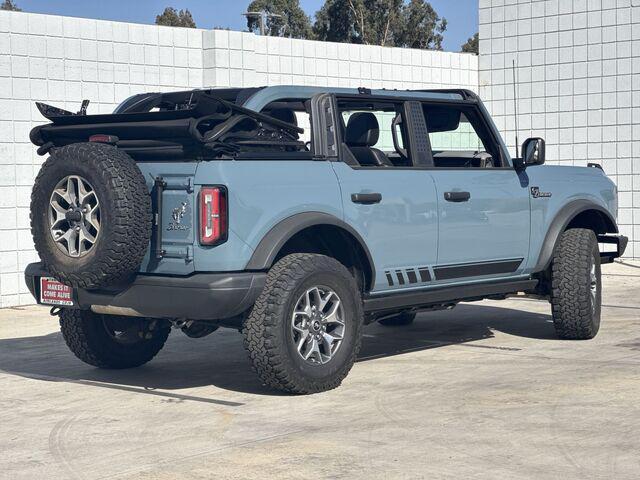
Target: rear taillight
[213, 215]
[100, 138]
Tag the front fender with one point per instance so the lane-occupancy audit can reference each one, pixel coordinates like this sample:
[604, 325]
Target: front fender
[559, 225]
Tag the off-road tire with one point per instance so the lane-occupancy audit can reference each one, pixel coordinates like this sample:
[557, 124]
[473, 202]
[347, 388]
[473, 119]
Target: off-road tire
[575, 316]
[89, 340]
[400, 320]
[125, 209]
[266, 330]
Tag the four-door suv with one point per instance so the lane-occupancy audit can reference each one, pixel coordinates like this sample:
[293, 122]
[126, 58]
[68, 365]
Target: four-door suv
[297, 215]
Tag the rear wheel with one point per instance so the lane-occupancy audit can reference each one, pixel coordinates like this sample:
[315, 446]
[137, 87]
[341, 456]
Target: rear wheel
[304, 331]
[110, 341]
[400, 320]
[576, 285]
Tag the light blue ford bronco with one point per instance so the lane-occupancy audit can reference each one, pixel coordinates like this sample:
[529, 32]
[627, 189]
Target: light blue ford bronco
[299, 214]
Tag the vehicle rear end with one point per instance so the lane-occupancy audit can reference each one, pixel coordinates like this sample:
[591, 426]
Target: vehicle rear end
[120, 219]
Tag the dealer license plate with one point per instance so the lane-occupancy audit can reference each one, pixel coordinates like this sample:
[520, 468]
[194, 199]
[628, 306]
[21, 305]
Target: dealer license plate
[52, 292]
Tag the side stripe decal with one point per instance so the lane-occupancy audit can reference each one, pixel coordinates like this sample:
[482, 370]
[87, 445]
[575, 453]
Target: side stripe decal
[448, 272]
[402, 277]
[411, 275]
[425, 276]
[389, 278]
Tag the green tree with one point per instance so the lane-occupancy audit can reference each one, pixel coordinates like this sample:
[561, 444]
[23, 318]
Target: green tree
[472, 45]
[292, 21]
[399, 23]
[336, 21]
[9, 5]
[421, 27]
[173, 18]
[373, 22]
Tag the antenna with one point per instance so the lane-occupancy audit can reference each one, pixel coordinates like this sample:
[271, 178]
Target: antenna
[515, 104]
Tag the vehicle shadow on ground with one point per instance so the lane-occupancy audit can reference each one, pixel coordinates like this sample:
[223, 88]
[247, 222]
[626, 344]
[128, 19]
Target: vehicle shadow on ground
[220, 360]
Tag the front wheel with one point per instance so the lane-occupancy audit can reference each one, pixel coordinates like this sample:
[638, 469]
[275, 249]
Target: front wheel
[304, 331]
[576, 285]
[111, 341]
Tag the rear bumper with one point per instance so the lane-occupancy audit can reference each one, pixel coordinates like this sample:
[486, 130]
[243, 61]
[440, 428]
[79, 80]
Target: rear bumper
[620, 241]
[202, 296]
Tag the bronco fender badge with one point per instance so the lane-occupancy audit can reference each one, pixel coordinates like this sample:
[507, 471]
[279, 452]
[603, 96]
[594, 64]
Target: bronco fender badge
[536, 193]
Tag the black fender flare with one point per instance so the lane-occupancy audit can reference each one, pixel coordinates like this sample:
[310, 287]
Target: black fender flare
[265, 253]
[559, 225]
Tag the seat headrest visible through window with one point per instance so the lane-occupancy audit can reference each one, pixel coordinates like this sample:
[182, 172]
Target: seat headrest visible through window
[362, 130]
[284, 114]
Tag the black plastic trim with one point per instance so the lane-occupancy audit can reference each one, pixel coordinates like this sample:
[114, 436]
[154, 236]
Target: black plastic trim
[457, 196]
[268, 248]
[156, 237]
[324, 138]
[620, 241]
[559, 225]
[439, 295]
[416, 128]
[366, 198]
[448, 272]
[201, 296]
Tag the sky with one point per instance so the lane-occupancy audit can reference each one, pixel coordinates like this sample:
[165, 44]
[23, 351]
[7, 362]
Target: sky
[462, 15]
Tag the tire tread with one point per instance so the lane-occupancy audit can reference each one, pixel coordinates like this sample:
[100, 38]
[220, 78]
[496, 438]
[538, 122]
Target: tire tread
[79, 330]
[570, 298]
[261, 337]
[120, 257]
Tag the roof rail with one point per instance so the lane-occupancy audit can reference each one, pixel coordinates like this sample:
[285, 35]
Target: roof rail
[463, 92]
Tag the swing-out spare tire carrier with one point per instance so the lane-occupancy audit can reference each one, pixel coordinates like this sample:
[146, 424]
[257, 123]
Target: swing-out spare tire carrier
[90, 215]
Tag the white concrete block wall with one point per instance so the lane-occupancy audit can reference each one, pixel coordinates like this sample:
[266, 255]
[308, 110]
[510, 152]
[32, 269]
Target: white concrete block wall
[62, 60]
[579, 85]
[237, 58]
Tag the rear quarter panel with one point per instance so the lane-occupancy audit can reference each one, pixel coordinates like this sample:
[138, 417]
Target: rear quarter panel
[261, 194]
[565, 184]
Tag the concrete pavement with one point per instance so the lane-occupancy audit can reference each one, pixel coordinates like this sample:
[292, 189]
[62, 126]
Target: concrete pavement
[483, 391]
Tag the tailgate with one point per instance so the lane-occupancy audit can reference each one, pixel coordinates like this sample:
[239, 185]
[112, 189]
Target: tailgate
[174, 217]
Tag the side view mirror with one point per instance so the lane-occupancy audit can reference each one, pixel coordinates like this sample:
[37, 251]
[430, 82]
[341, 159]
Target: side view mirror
[533, 152]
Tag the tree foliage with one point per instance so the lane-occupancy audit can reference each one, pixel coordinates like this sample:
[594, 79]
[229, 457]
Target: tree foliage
[10, 5]
[396, 23]
[292, 23]
[173, 18]
[421, 26]
[472, 45]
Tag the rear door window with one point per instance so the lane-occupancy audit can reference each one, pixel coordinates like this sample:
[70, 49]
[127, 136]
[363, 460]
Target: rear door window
[374, 133]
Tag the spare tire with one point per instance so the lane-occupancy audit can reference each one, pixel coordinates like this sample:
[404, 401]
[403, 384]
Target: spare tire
[90, 215]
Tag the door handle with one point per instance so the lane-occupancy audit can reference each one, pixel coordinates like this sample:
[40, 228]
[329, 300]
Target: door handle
[457, 196]
[366, 198]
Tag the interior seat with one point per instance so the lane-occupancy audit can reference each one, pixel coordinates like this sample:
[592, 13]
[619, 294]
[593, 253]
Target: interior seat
[286, 115]
[361, 134]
